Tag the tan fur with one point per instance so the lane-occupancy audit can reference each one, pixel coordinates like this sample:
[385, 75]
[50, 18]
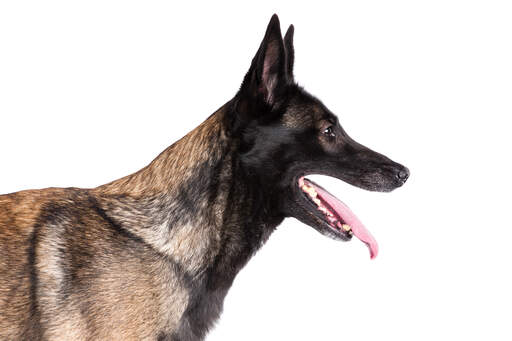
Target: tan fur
[173, 164]
[137, 296]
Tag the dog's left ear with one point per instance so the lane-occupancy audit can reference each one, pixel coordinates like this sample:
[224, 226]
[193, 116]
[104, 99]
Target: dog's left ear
[269, 72]
[290, 54]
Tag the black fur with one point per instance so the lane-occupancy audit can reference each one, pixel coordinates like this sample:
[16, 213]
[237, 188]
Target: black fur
[32, 326]
[267, 163]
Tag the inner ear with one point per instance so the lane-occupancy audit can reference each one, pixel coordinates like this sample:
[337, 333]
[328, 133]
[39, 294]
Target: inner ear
[272, 69]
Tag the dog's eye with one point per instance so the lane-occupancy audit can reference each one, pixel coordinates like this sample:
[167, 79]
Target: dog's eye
[329, 131]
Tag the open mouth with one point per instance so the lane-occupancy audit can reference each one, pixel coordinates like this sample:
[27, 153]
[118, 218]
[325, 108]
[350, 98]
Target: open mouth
[340, 219]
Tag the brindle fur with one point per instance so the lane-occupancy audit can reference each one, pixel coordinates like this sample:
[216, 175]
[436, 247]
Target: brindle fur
[151, 256]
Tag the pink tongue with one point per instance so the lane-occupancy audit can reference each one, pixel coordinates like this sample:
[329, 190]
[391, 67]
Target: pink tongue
[351, 219]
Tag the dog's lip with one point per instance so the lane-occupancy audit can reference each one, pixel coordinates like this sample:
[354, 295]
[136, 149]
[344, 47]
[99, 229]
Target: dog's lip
[342, 211]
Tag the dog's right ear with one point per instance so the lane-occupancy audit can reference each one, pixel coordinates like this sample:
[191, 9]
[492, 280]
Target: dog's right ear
[268, 73]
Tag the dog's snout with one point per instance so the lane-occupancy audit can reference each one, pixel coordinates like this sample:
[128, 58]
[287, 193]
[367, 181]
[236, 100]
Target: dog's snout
[403, 174]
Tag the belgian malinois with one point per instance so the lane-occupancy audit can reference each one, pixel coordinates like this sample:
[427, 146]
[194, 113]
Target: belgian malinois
[152, 255]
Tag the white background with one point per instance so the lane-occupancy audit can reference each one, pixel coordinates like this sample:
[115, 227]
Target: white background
[93, 91]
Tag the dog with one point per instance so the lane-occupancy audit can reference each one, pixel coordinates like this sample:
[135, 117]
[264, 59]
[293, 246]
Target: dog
[152, 255]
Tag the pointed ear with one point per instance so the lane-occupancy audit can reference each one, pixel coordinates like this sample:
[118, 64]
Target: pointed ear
[290, 54]
[267, 73]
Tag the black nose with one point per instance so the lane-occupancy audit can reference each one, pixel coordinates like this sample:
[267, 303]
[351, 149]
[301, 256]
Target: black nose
[403, 174]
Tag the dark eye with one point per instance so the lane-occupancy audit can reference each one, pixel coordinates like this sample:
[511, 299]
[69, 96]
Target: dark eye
[329, 131]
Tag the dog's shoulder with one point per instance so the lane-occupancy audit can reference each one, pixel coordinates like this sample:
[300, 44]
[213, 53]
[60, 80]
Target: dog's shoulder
[20, 219]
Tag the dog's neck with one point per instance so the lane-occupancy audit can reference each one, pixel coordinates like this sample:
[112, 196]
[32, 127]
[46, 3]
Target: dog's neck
[196, 204]
[205, 145]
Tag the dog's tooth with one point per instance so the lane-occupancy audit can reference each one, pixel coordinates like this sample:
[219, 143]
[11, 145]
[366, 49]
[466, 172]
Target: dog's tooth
[346, 227]
[323, 209]
[317, 201]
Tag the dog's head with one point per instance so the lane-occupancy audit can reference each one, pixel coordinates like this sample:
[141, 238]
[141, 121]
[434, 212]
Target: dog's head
[286, 133]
